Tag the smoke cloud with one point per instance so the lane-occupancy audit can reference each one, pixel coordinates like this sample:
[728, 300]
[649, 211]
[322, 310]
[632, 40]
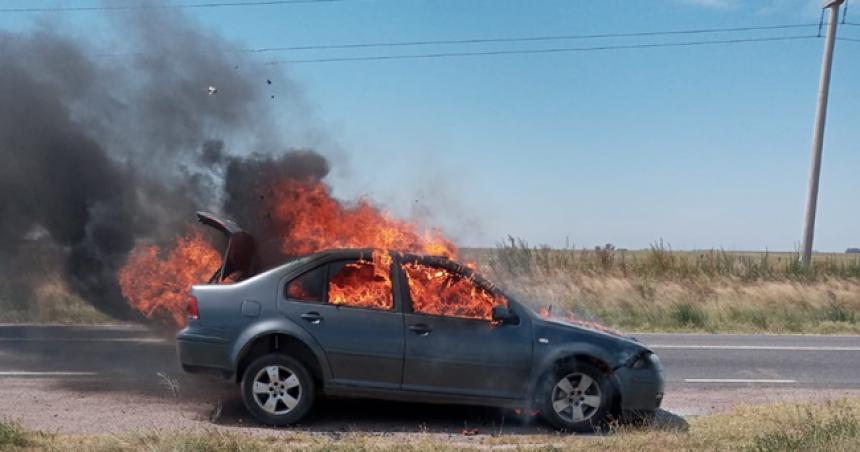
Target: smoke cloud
[102, 151]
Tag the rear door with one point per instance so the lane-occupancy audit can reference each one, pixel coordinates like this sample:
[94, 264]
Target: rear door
[349, 307]
[451, 345]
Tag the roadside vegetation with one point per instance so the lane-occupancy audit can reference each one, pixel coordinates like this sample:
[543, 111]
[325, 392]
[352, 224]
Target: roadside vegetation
[831, 426]
[48, 300]
[33, 290]
[660, 289]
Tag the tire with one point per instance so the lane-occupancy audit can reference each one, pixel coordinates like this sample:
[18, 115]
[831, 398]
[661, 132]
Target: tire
[571, 406]
[284, 392]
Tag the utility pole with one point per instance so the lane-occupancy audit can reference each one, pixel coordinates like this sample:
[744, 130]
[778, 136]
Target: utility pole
[818, 134]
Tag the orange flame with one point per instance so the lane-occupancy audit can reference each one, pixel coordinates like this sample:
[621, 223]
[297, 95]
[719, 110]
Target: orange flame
[438, 291]
[365, 284]
[158, 287]
[308, 219]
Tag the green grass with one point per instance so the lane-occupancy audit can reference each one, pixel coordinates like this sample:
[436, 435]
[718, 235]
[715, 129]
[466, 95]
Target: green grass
[819, 432]
[831, 426]
[13, 436]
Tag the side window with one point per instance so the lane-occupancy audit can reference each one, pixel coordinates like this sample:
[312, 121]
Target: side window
[361, 284]
[308, 286]
[439, 291]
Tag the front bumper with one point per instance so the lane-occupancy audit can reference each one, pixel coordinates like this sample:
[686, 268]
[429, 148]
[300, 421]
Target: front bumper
[203, 354]
[641, 389]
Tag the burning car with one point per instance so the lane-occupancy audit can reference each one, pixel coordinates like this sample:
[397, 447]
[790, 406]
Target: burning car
[384, 324]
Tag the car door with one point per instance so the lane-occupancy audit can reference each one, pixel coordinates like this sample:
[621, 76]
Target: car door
[451, 345]
[348, 306]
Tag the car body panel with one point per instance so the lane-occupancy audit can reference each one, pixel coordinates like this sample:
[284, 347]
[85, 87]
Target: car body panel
[364, 347]
[467, 356]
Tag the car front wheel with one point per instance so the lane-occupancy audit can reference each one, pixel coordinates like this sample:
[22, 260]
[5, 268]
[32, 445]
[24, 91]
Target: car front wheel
[277, 389]
[577, 397]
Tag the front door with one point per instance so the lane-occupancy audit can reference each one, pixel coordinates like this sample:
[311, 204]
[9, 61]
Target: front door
[348, 307]
[451, 345]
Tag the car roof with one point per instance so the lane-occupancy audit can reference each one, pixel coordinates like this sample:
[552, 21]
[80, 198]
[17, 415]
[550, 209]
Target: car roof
[442, 261]
[352, 252]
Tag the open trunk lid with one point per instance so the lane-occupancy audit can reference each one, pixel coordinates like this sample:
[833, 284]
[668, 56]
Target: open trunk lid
[240, 255]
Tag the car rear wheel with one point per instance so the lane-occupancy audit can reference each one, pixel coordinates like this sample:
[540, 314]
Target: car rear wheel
[577, 397]
[277, 389]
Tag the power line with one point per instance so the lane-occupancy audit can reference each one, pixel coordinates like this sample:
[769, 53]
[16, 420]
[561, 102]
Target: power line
[537, 51]
[526, 38]
[848, 39]
[165, 6]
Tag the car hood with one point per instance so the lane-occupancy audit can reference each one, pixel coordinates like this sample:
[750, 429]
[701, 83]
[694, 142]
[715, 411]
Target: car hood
[592, 327]
[618, 348]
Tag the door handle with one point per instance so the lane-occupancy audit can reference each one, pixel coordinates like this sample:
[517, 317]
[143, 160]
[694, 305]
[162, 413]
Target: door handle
[312, 317]
[420, 329]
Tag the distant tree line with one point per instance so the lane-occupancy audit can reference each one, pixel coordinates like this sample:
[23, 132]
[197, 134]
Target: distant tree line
[853, 251]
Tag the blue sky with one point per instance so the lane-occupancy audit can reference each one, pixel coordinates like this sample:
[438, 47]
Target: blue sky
[701, 146]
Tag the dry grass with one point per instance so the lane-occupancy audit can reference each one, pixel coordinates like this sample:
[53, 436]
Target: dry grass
[33, 289]
[831, 426]
[650, 290]
[50, 301]
[664, 290]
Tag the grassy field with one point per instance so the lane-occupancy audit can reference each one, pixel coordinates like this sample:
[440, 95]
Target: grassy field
[831, 426]
[51, 301]
[657, 289]
[664, 290]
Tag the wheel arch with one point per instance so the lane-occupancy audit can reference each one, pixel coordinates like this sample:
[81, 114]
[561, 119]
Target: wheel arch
[583, 354]
[283, 336]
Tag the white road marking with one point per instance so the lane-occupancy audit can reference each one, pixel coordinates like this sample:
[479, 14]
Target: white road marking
[799, 348]
[737, 380]
[25, 373]
[81, 339]
[102, 326]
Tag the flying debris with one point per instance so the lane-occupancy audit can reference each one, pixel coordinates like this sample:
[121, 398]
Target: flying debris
[212, 90]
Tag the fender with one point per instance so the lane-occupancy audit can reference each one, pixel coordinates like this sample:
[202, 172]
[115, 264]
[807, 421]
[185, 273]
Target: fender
[545, 361]
[278, 325]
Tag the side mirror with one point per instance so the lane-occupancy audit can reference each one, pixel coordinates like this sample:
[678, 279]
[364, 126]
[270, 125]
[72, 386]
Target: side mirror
[504, 316]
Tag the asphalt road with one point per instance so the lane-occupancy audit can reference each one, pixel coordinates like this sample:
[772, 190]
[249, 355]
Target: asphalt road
[801, 361]
[134, 370]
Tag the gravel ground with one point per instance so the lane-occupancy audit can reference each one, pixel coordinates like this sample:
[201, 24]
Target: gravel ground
[89, 405]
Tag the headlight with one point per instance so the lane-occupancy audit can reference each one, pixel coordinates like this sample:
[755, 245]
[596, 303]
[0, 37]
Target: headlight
[645, 359]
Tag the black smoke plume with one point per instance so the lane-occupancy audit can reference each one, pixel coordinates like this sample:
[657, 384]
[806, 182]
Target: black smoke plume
[102, 148]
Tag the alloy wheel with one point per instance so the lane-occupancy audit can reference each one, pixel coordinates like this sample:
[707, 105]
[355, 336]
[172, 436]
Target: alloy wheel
[576, 397]
[277, 389]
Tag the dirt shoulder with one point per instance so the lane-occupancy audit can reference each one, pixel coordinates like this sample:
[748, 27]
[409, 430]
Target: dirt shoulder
[81, 405]
[136, 423]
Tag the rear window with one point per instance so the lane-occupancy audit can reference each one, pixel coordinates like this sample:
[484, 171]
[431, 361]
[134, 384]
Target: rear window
[308, 286]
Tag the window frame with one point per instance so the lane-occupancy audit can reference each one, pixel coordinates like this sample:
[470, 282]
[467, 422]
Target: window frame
[453, 267]
[344, 255]
[330, 265]
[323, 289]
